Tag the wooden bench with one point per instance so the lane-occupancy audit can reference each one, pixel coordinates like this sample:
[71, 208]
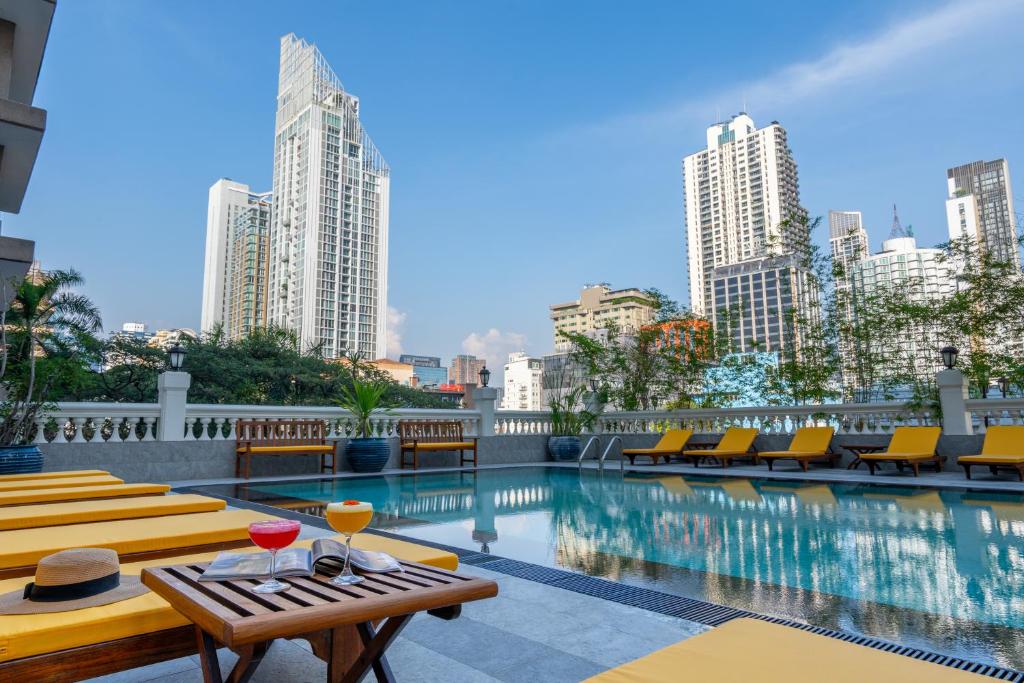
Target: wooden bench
[282, 437]
[426, 436]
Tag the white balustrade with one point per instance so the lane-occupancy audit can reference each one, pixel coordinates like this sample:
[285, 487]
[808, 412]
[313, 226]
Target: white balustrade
[986, 412]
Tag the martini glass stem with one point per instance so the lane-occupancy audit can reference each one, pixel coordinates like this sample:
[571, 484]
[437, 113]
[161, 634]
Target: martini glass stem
[347, 570]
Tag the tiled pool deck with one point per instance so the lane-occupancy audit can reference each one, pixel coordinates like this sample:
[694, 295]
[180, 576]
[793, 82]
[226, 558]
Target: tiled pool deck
[530, 632]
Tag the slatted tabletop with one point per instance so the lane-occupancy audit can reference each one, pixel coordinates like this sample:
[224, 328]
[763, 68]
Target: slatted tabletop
[234, 615]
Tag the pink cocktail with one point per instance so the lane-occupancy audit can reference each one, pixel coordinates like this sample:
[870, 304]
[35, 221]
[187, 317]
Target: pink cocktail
[273, 535]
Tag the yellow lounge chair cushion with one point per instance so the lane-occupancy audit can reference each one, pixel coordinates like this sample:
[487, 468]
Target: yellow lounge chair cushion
[1004, 441]
[715, 452]
[914, 440]
[80, 493]
[313, 448]
[672, 441]
[440, 445]
[35, 634]
[910, 457]
[791, 454]
[52, 475]
[83, 511]
[59, 483]
[25, 547]
[983, 459]
[650, 451]
[812, 439]
[753, 650]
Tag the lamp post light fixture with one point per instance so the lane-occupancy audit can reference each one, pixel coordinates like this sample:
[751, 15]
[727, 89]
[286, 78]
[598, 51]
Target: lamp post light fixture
[949, 354]
[1004, 385]
[176, 356]
[485, 376]
[594, 385]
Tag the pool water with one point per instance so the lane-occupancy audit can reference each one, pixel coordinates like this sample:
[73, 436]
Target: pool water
[940, 570]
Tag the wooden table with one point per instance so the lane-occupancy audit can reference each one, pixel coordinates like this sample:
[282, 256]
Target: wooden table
[342, 623]
[859, 451]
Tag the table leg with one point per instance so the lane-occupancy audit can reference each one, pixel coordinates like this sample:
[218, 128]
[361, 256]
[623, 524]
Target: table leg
[375, 643]
[208, 657]
[249, 657]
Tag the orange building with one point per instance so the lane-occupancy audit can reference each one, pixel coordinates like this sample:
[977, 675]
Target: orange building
[691, 333]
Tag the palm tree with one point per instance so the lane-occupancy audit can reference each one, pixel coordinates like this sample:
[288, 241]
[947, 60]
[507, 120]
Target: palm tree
[45, 317]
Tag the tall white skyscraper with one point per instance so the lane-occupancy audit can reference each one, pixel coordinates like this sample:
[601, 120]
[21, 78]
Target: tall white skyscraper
[235, 271]
[742, 205]
[329, 226]
[848, 238]
[980, 205]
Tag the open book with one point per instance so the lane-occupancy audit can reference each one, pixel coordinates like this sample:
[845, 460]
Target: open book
[296, 562]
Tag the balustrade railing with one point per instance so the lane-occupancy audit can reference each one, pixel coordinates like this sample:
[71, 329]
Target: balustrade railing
[986, 412]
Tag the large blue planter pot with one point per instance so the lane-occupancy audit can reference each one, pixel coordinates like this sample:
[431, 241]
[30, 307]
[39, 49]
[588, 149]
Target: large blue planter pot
[564, 447]
[368, 455]
[20, 459]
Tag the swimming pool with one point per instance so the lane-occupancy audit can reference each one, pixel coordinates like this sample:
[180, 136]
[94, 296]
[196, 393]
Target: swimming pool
[940, 570]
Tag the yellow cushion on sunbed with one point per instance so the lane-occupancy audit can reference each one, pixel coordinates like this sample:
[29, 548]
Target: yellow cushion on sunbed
[315, 448]
[440, 445]
[27, 635]
[778, 455]
[914, 440]
[897, 456]
[746, 650]
[60, 483]
[80, 493]
[52, 475]
[24, 547]
[82, 511]
[671, 441]
[994, 459]
[1003, 443]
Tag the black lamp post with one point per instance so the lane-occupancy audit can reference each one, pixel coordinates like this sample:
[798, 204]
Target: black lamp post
[1004, 385]
[485, 376]
[949, 354]
[594, 385]
[176, 356]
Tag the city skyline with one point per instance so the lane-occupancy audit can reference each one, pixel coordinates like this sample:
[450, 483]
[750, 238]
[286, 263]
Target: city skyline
[849, 158]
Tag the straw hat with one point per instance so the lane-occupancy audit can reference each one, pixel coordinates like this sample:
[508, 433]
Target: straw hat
[73, 579]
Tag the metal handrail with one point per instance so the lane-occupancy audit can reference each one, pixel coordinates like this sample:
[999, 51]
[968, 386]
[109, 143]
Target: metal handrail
[600, 463]
[583, 453]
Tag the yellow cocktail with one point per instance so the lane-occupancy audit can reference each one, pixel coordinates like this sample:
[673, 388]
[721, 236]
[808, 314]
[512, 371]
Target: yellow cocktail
[348, 517]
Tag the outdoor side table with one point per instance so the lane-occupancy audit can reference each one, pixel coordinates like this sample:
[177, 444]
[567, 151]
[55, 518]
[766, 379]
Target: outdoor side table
[859, 451]
[338, 621]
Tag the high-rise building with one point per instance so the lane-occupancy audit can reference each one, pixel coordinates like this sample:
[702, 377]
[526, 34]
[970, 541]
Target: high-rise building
[329, 224]
[848, 238]
[524, 388]
[465, 369]
[237, 259]
[426, 369]
[980, 206]
[742, 203]
[598, 306]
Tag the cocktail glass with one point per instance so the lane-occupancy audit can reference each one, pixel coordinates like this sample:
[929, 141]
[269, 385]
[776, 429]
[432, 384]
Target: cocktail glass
[273, 535]
[348, 517]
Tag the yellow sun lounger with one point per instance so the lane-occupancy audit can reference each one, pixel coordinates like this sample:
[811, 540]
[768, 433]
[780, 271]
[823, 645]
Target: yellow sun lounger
[36, 496]
[21, 549]
[737, 442]
[809, 444]
[671, 443]
[754, 650]
[738, 488]
[58, 483]
[909, 446]
[27, 641]
[1003, 448]
[84, 511]
[53, 475]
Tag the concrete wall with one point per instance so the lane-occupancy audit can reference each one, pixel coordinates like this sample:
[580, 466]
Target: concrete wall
[156, 461]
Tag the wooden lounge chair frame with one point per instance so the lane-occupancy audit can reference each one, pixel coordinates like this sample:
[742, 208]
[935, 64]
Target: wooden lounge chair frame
[283, 437]
[905, 459]
[433, 436]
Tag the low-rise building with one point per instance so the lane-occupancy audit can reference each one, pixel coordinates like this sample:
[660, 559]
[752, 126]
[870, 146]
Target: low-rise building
[465, 369]
[524, 388]
[400, 372]
[426, 369]
[599, 307]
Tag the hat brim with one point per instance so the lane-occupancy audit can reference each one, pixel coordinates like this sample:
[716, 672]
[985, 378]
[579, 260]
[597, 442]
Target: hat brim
[15, 603]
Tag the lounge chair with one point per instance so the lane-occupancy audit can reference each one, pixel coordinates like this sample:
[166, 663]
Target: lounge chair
[133, 539]
[737, 442]
[58, 483]
[137, 632]
[809, 444]
[1003, 448]
[754, 650]
[909, 446]
[85, 511]
[36, 496]
[671, 443]
[53, 475]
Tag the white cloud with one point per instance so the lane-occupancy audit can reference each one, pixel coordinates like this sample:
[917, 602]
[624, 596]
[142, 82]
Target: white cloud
[396, 326]
[494, 346]
[881, 55]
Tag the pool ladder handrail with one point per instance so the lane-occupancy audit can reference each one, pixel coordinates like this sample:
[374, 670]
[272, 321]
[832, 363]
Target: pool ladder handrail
[607, 450]
[591, 441]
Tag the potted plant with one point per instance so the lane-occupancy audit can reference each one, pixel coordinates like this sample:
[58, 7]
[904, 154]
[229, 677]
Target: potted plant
[567, 423]
[366, 452]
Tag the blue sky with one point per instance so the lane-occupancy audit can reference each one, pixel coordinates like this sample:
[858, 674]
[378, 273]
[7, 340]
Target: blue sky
[534, 146]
